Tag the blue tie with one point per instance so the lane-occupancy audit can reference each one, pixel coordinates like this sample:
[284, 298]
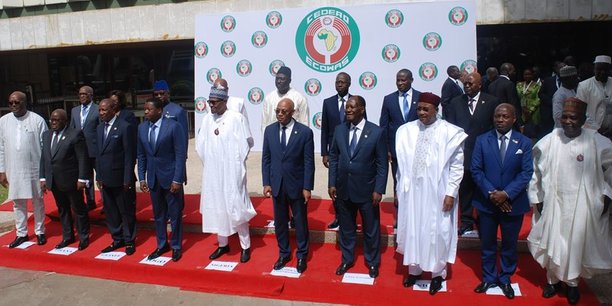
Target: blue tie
[83, 114]
[502, 148]
[342, 114]
[284, 139]
[353, 143]
[406, 106]
[152, 137]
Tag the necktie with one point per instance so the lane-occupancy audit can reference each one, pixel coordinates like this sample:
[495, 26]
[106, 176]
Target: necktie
[342, 114]
[502, 148]
[353, 143]
[406, 106]
[83, 114]
[152, 136]
[54, 141]
[471, 105]
[284, 138]
[106, 128]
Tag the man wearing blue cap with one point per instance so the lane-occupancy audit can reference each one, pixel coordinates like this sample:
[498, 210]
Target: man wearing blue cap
[171, 110]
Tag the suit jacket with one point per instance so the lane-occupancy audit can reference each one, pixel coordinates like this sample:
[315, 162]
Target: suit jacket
[67, 162]
[512, 176]
[292, 168]
[165, 163]
[357, 177]
[546, 93]
[177, 113]
[129, 117]
[391, 116]
[330, 118]
[450, 89]
[116, 154]
[89, 127]
[505, 91]
[473, 125]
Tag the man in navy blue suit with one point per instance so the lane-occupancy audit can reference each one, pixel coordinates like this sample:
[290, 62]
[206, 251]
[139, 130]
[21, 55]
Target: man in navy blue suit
[501, 167]
[162, 153]
[358, 170]
[451, 88]
[115, 176]
[288, 176]
[332, 116]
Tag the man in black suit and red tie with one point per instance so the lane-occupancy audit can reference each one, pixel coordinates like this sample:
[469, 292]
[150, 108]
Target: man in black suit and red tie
[65, 170]
[473, 112]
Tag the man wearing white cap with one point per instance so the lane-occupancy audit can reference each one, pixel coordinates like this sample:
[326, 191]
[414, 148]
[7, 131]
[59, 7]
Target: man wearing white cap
[597, 93]
[568, 76]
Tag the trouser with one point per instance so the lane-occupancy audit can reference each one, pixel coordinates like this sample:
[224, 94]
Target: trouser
[510, 227]
[20, 209]
[67, 202]
[466, 193]
[552, 279]
[168, 205]
[416, 270]
[282, 204]
[370, 216]
[243, 234]
[120, 213]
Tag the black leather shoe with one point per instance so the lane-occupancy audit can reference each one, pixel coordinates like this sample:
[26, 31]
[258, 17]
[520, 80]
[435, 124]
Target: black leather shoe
[218, 252]
[410, 280]
[301, 265]
[373, 271]
[41, 239]
[83, 244]
[158, 252]
[343, 268]
[245, 255]
[465, 228]
[64, 243]
[550, 290]
[333, 225]
[573, 295]
[484, 286]
[176, 255]
[281, 262]
[435, 285]
[130, 249]
[113, 246]
[507, 290]
[18, 240]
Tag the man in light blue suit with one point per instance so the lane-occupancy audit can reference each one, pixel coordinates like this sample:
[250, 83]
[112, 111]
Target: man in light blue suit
[162, 153]
[288, 176]
[502, 166]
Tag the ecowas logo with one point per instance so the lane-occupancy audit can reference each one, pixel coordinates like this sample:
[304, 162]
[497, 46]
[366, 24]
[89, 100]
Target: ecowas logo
[244, 68]
[256, 95]
[228, 48]
[200, 50]
[368, 80]
[469, 66]
[213, 74]
[228, 23]
[458, 16]
[274, 66]
[317, 119]
[428, 71]
[391, 53]
[432, 41]
[312, 87]
[327, 39]
[394, 18]
[274, 19]
[200, 105]
[259, 39]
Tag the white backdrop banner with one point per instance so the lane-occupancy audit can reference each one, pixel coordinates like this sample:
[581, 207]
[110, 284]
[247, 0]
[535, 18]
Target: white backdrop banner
[369, 42]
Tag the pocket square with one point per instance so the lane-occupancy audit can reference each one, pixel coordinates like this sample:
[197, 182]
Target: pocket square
[519, 151]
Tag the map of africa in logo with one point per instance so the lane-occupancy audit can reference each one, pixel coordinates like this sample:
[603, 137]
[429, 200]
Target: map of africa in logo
[327, 39]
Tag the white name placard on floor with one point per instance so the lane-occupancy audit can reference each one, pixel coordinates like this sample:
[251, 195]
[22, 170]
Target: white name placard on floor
[423, 285]
[159, 261]
[63, 251]
[498, 291]
[25, 245]
[226, 266]
[111, 256]
[286, 272]
[357, 278]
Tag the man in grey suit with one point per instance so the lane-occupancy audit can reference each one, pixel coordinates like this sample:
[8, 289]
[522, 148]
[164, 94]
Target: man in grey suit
[357, 179]
[85, 117]
[64, 169]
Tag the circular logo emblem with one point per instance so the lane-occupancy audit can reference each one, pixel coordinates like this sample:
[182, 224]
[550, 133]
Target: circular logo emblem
[228, 48]
[256, 95]
[244, 68]
[367, 80]
[391, 53]
[457, 16]
[213, 74]
[200, 50]
[428, 71]
[327, 39]
[274, 66]
[469, 66]
[312, 87]
[200, 105]
[228, 23]
[432, 41]
[394, 18]
[259, 39]
[274, 19]
[317, 119]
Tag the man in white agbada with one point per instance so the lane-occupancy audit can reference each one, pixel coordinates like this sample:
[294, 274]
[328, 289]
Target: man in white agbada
[20, 149]
[597, 93]
[284, 90]
[223, 144]
[233, 103]
[430, 169]
[571, 189]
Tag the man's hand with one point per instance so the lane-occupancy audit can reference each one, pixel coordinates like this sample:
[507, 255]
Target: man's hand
[498, 197]
[267, 191]
[448, 203]
[100, 185]
[326, 161]
[43, 186]
[332, 193]
[175, 187]
[127, 187]
[80, 186]
[306, 194]
[144, 187]
[376, 198]
[3, 181]
[389, 157]
[505, 207]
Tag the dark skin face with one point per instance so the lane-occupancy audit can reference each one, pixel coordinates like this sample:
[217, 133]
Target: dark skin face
[601, 71]
[17, 104]
[342, 84]
[282, 83]
[455, 73]
[354, 111]
[106, 110]
[58, 120]
[85, 94]
[472, 84]
[403, 81]
[570, 82]
[427, 113]
[284, 111]
[503, 119]
[151, 112]
[163, 95]
[217, 106]
[527, 75]
[572, 122]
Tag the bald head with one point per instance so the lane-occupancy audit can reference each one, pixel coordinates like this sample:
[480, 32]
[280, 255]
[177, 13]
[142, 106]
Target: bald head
[17, 103]
[58, 120]
[60, 113]
[507, 69]
[472, 84]
[284, 111]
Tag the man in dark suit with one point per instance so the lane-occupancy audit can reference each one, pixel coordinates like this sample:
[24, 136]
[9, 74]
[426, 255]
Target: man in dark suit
[288, 176]
[501, 167]
[115, 176]
[65, 170]
[505, 90]
[173, 111]
[546, 93]
[332, 116]
[358, 171]
[473, 112]
[85, 117]
[162, 153]
[451, 88]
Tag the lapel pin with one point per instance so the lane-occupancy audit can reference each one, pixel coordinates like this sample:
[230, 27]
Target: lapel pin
[580, 157]
[295, 132]
[365, 136]
[216, 131]
[514, 140]
[63, 137]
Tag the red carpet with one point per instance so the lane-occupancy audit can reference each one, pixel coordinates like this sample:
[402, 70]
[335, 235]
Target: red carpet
[317, 284]
[320, 212]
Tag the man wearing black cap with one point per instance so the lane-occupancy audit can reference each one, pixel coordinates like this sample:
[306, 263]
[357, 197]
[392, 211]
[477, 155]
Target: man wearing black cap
[430, 168]
[284, 90]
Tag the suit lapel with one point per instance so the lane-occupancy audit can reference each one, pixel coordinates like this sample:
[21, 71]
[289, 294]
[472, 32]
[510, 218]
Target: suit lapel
[495, 147]
[160, 134]
[294, 134]
[513, 145]
[110, 133]
[364, 135]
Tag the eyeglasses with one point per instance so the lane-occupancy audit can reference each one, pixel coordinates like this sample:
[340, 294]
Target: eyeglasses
[282, 111]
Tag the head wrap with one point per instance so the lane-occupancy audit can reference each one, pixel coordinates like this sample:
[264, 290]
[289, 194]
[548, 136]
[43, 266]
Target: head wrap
[602, 59]
[161, 85]
[284, 70]
[218, 92]
[575, 104]
[567, 71]
[428, 97]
